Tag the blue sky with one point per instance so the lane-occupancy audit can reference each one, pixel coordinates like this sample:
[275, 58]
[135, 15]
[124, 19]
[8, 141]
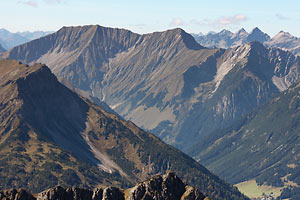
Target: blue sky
[157, 15]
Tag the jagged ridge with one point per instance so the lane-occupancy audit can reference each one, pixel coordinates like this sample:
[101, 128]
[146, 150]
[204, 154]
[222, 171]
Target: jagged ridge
[167, 187]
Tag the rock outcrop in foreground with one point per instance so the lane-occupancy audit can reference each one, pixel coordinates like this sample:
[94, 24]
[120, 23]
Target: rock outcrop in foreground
[168, 187]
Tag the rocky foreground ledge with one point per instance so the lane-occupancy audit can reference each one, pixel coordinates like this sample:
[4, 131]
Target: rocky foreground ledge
[166, 187]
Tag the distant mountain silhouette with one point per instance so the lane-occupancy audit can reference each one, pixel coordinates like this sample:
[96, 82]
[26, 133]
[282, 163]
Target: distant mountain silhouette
[9, 40]
[226, 39]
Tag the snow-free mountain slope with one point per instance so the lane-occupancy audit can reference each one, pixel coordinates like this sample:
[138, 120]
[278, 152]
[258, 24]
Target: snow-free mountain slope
[49, 135]
[269, 140]
[161, 81]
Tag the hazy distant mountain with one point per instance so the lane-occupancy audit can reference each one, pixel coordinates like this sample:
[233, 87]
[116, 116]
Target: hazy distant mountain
[9, 40]
[165, 81]
[34, 35]
[226, 39]
[285, 41]
[49, 135]
[212, 39]
[2, 49]
[263, 145]
[257, 35]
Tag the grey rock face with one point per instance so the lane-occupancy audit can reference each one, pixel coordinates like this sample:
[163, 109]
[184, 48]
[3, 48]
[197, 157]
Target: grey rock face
[60, 193]
[14, 194]
[112, 193]
[166, 187]
[192, 193]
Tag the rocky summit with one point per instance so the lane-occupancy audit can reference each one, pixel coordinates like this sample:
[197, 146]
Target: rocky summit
[50, 136]
[167, 187]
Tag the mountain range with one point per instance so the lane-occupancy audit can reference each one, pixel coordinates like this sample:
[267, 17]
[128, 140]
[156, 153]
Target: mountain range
[49, 135]
[196, 98]
[9, 40]
[226, 39]
[165, 82]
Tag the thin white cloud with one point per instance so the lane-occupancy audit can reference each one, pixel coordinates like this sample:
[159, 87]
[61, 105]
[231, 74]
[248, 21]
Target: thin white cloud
[35, 3]
[281, 17]
[53, 2]
[177, 22]
[222, 21]
[31, 3]
[139, 25]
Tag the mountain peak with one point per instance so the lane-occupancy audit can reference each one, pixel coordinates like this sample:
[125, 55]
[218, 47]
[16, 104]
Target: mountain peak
[256, 29]
[284, 34]
[225, 31]
[242, 31]
[190, 41]
[257, 35]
